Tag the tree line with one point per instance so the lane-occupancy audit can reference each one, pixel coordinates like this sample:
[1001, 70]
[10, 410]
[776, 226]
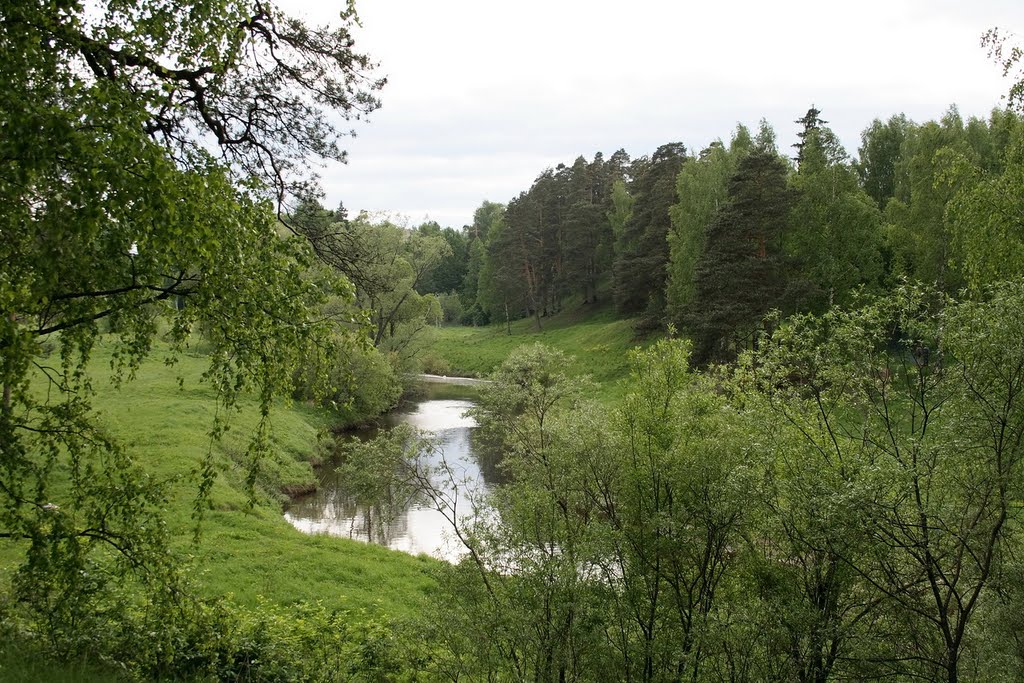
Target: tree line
[709, 242]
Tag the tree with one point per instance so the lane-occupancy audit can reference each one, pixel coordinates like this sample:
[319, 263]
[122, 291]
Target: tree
[500, 292]
[511, 268]
[880, 149]
[484, 217]
[394, 265]
[702, 190]
[450, 272]
[1008, 57]
[621, 209]
[588, 234]
[621, 528]
[643, 252]
[835, 230]
[985, 215]
[915, 405]
[673, 495]
[811, 123]
[141, 143]
[523, 585]
[919, 239]
[741, 274]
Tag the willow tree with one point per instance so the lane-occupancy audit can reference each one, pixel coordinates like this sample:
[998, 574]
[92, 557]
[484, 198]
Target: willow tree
[145, 146]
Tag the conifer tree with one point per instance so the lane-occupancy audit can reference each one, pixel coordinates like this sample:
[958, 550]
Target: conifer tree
[741, 275]
[702, 190]
[640, 266]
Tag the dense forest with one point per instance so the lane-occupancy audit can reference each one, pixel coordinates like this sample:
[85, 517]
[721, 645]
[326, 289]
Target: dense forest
[813, 473]
[710, 242]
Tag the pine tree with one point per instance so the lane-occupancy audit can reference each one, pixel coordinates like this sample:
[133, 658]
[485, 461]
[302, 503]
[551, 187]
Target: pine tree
[741, 275]
[702, 189]
[640, 267]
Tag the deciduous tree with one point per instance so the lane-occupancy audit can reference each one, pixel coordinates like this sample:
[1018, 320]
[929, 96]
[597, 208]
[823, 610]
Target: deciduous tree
[143, 146]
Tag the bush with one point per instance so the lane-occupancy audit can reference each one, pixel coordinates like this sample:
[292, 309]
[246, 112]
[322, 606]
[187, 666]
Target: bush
[451, 307]
[434, 364]
[358, 382]
[172, 637]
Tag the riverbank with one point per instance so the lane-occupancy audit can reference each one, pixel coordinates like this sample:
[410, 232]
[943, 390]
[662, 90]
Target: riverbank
[445, 379]
[595, 341]
[246, 550]
[387, 512]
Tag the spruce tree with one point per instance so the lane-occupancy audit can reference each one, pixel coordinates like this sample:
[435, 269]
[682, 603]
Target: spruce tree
[741, 275]
[811, 121]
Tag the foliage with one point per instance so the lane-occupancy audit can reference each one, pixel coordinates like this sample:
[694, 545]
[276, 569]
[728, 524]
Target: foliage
[919, 238]
[142, 145]
[614, 532]
[382, 474]
[483, 218]
[247, 550]
[922, 442]
[842, 505]
[550, 243]
[741, 274]
[835, 231]
[449, 272]
[1008, 57]
[879, 153]
[361, 383]
[642, 251]
[985, 215]
[213, 640]
[702, 190]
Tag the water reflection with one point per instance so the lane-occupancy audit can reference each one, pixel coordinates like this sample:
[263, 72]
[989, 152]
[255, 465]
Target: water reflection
[410, 525]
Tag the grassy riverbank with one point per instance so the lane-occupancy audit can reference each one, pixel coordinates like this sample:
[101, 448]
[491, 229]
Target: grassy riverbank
[596, 342]
[244, 551]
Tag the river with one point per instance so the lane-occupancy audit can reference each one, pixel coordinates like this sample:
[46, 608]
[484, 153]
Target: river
[418, 527]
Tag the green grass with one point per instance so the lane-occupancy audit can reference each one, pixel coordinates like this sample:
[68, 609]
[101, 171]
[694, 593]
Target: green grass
[244, 551]
[595, 341]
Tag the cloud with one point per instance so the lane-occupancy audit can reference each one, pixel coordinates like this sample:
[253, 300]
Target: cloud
[483, 96]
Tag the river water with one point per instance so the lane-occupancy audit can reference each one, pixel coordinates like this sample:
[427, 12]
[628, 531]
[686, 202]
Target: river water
[418, 527]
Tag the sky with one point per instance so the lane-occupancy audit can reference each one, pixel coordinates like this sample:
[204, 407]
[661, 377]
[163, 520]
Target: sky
[484, 95]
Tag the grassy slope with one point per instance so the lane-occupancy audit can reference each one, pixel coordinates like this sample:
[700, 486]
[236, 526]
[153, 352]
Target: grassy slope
[246, 553]
[595, 340]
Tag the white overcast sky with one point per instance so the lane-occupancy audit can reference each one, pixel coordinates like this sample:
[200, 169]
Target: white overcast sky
[482, 96]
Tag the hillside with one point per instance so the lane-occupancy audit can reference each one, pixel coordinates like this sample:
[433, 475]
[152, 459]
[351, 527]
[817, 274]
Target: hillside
[596, 341]
[246, 549]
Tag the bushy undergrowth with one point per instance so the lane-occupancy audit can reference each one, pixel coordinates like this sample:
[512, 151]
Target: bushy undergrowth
[169, 637]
